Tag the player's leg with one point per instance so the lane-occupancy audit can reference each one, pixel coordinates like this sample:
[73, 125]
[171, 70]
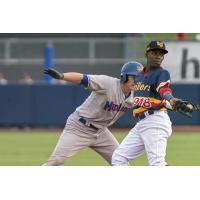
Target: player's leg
[131, 147]
[155, 139]
[73, 138]
[105, 144]
[68, 145]
[155, 145]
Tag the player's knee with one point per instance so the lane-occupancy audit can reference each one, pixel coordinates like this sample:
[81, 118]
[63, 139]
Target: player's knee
[119, 160]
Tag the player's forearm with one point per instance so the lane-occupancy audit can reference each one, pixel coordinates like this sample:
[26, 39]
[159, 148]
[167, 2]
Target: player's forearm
[172, 101]
[73, 77]
[166, 93]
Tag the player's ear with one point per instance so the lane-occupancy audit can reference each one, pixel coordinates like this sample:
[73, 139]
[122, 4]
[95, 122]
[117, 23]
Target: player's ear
[147, 54]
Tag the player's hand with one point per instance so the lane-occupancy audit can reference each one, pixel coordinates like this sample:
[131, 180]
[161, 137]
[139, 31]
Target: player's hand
[55, 74]
[185, 107]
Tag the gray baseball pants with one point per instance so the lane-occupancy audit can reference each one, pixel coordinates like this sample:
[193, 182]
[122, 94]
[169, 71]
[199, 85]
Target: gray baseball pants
[77, 136]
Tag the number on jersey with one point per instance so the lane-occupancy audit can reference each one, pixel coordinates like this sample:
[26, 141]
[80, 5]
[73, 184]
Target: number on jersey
[142, 102]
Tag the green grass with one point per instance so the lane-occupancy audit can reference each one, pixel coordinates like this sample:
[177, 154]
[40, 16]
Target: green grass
[34, 148]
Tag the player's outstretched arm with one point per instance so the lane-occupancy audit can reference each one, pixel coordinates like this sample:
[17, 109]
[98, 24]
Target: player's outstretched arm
[72, 77]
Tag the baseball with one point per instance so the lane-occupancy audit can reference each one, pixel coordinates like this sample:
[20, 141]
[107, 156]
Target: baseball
[190, 106]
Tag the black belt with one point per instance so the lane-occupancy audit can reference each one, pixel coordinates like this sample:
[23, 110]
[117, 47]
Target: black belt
[83, 121]
[145, 114]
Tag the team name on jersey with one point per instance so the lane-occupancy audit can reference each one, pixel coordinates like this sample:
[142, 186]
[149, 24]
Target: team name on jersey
[110, 106]
[142, 86]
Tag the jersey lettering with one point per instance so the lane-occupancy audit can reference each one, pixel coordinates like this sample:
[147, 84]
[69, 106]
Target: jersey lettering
[115, 107]
[142, 102]
[141, 86]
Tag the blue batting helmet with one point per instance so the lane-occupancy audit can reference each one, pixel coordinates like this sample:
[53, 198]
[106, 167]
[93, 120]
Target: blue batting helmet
[130, 68]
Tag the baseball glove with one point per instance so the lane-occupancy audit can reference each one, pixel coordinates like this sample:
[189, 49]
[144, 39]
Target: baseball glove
[55, 74]
[185, 107]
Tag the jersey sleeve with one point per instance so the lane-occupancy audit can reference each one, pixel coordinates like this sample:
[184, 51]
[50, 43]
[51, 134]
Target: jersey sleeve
[99, 82]
[163, 80]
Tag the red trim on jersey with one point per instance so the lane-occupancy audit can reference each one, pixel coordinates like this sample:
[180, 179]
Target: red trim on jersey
[162, 91]
[162, 85]
[157, 104]
[145, 74]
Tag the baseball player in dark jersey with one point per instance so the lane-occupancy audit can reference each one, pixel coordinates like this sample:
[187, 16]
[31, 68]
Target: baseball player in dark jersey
[110, 98]
[152, 97]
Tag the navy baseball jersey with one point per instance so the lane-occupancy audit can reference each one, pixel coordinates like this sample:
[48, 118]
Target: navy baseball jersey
[146, 90]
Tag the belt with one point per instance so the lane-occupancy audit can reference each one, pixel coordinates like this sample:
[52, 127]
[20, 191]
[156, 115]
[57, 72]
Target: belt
[84, 121]
[145, 114]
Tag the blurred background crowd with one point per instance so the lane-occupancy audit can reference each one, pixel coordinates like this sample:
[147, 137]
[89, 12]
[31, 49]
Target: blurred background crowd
[22, 56]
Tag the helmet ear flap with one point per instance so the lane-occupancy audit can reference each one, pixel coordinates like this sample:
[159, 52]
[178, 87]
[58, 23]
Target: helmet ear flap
[123, 78]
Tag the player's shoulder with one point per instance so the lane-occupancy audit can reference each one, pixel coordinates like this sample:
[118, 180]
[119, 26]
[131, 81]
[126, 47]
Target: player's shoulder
[111, 80]
[163, 69]
[104, 77]
[107, 77]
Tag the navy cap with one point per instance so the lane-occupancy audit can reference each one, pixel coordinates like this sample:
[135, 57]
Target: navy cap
[156, 45]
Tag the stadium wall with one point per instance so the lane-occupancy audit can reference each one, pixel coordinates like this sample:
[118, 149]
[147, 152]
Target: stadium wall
[50, 105]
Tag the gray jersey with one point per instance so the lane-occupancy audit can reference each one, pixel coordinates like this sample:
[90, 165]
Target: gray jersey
[106, 103]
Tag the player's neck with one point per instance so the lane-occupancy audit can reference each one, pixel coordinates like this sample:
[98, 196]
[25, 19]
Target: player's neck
[149, 67]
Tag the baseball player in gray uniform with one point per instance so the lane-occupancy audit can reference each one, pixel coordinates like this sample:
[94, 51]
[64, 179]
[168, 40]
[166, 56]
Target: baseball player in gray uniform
[110, 98]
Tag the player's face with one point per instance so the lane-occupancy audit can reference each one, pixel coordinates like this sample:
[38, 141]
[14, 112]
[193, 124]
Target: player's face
[131, 82]
[155, 57]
